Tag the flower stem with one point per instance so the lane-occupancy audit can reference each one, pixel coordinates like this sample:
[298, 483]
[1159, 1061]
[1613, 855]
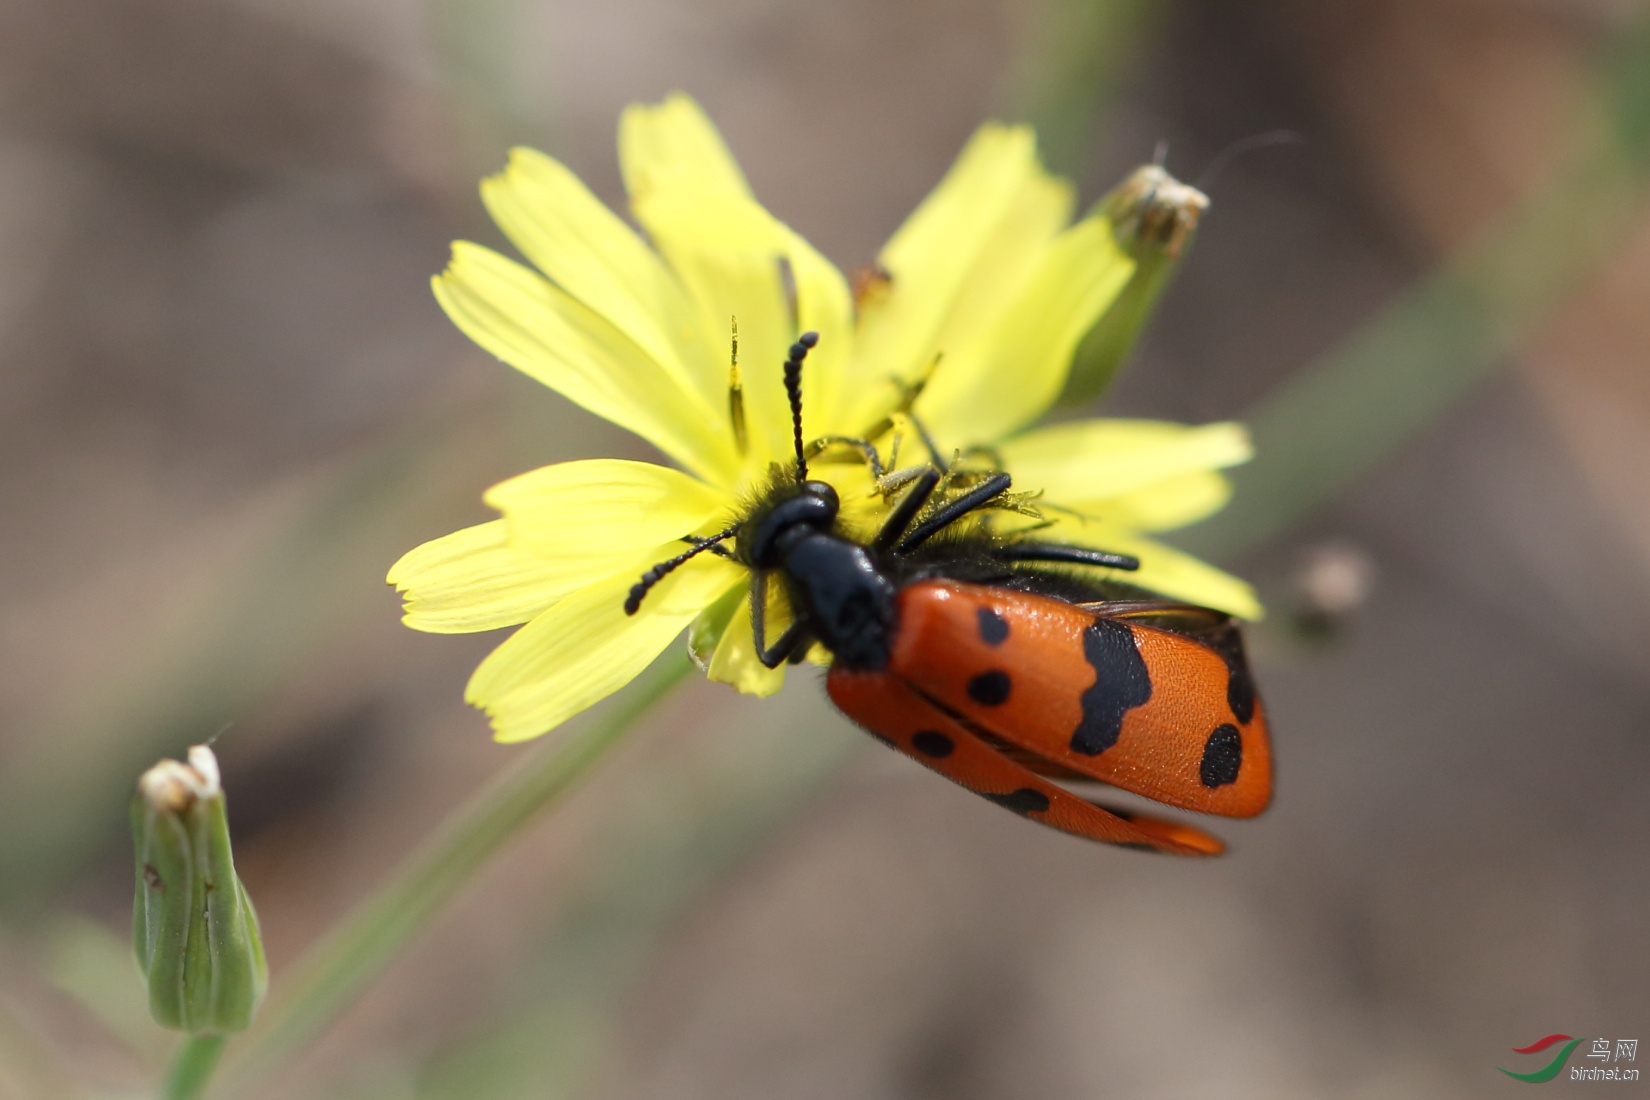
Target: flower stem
[346, 960]
[193, 1065]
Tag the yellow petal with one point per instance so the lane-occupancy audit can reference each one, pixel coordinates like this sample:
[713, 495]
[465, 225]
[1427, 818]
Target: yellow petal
[823, 305]
[733, 257]
[987, 388]
[738, 262]
[1163, 569]
[471, 580]
[674, 145]
[602, 507]
[594, 256]
[1010, 258]
[960, 258]
[1167, 504]
[585, 648]
[735, 660]
[540, 330]
[1086, 462]
[725, 256]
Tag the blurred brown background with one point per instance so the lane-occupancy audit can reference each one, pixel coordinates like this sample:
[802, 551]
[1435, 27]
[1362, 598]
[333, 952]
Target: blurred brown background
[228, 402]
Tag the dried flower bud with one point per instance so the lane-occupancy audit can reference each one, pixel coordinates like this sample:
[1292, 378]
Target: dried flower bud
[1154, 218]
[193, 926]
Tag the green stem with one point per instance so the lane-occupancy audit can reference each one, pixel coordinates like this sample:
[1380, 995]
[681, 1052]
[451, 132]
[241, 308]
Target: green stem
[193, 1066]
[352, 954]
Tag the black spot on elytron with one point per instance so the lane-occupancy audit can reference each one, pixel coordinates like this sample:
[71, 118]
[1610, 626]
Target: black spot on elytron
[1121, 683]
[933, 743]
[1222, 756]
[1240, 694]
[990, 689]
[993, 627]
[1023, 801]
[1240, 685]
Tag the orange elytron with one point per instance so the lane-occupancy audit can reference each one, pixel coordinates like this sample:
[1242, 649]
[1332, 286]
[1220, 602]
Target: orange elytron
[1000, 690]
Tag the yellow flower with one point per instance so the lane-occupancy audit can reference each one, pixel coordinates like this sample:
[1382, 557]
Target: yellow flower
[976, 307]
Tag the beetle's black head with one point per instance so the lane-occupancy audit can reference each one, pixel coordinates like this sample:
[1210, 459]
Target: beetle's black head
[791, 510]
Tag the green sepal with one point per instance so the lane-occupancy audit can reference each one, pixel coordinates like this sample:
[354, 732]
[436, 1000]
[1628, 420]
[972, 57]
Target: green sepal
[1154, 219]
[193, 926]
[706, 631]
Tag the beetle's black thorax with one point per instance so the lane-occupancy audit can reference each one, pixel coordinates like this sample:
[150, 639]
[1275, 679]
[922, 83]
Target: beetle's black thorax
[848, 600]
[832, 581]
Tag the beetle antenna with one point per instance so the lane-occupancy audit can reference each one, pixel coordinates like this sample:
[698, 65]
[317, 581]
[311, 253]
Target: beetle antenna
[793, 390]
[639, 590]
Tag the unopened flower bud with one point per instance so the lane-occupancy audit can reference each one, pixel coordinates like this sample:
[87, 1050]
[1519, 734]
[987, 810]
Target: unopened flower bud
[193, 926]
[1153, 218]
